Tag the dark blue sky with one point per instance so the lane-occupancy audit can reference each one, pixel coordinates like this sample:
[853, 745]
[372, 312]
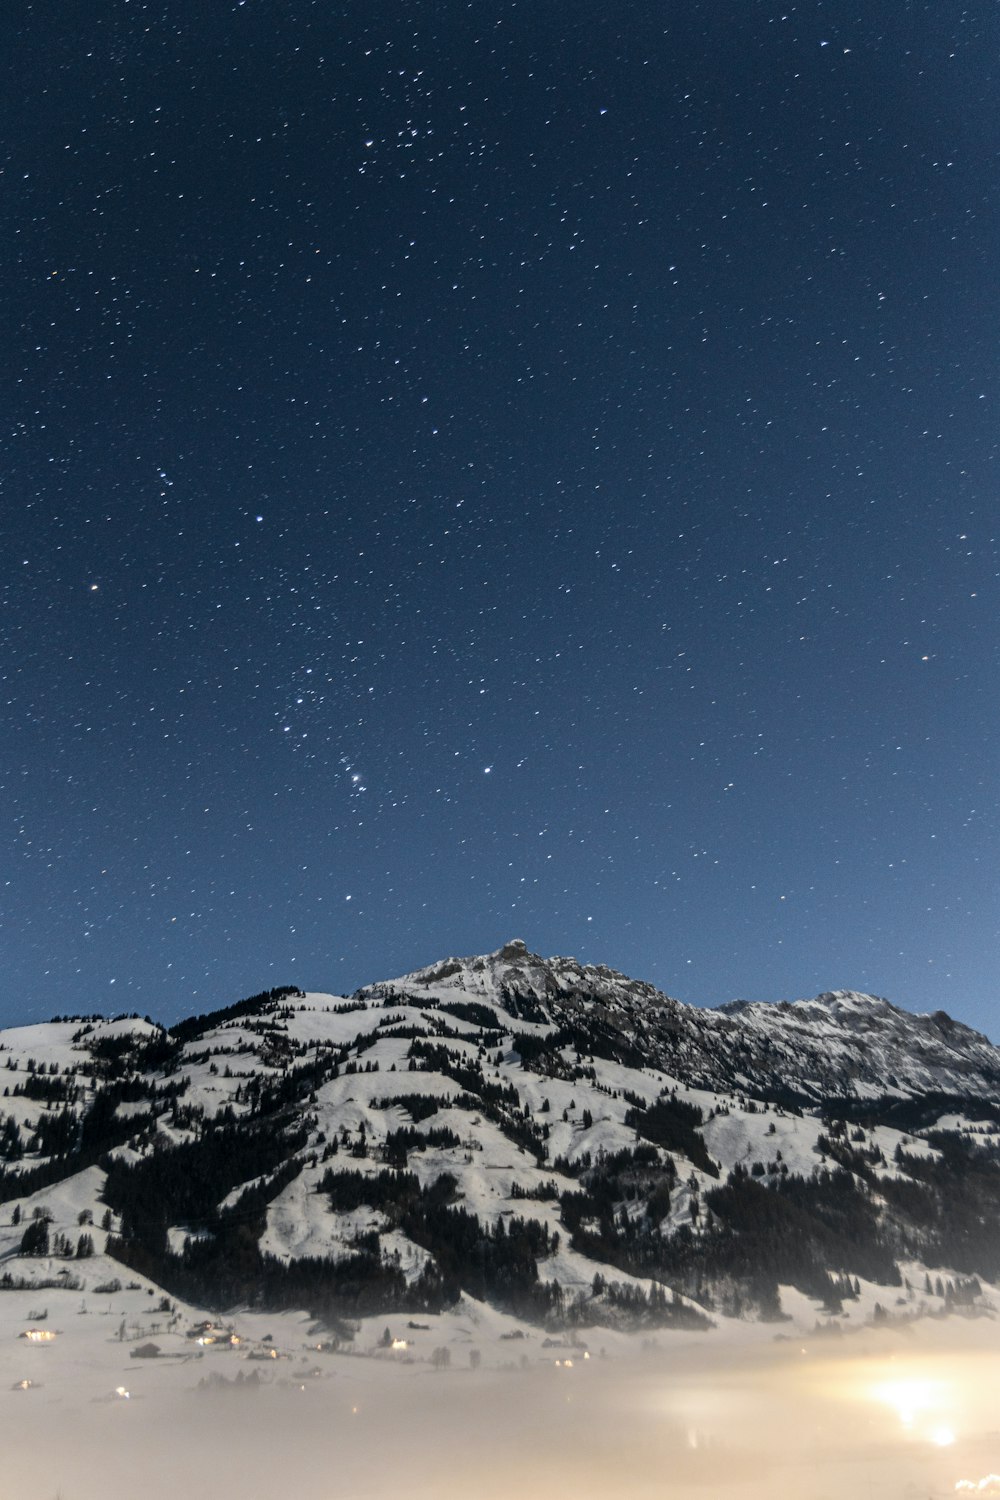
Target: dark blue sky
[500, 469]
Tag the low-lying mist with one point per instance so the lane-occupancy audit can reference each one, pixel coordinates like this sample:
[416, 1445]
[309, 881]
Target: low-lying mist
[907, 1412]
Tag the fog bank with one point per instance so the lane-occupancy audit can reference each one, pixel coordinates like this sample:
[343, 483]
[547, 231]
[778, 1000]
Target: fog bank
[893, 1412]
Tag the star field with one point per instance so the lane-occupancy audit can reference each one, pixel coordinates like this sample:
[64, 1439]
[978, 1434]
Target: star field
[475, 470]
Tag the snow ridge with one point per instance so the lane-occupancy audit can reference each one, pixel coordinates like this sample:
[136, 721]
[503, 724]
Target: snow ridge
[840, 1044]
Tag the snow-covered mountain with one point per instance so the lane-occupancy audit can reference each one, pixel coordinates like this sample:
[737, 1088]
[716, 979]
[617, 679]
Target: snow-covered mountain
[840, 1044]
[556, 1140]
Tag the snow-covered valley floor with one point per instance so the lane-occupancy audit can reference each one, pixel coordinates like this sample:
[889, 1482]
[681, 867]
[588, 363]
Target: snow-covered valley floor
[903, 1411]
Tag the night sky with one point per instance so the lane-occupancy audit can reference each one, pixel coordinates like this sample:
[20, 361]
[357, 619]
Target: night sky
[488, 470]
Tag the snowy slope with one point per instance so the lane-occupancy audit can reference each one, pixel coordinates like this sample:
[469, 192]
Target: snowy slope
[556, 1137]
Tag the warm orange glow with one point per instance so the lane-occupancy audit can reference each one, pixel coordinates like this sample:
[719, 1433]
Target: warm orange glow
[909, 1398]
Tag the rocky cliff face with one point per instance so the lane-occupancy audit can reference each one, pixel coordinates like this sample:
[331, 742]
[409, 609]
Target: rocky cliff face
[842, 1044]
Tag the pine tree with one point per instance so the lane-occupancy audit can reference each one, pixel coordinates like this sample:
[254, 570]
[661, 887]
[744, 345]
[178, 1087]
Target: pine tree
[35, 1239]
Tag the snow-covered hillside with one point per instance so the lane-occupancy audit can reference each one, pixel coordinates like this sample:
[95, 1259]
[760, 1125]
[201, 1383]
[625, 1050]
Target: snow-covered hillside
[553, 1142]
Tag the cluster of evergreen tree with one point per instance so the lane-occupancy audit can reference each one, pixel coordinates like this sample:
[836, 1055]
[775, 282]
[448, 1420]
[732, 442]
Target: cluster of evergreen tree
[746, 1235]
[389, 1191]
[399, 1143]
[117, 1055]
[269, 1094]
[947, 1207]
[70, 1142]
[499, 1102]
[38, 1241]
[418, 1106]
[183, 1183]
[223, 1265]
[11, 1144]
[917, 1112]
[614, 1216]
[628, 1176]
[523, 1007]
[465, 1071]
[541, 1054]
[47, 1088]
[654, 1307]
[56, 1132]
[471, 1011]
[268, 1000]
[798, 1224]
[674, 1124]
[595, 1033]
[498, 1263]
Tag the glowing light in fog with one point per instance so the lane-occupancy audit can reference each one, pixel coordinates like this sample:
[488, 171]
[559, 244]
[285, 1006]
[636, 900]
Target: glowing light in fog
[908, 1398]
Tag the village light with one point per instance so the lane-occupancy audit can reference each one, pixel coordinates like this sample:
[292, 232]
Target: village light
[907, 1397]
